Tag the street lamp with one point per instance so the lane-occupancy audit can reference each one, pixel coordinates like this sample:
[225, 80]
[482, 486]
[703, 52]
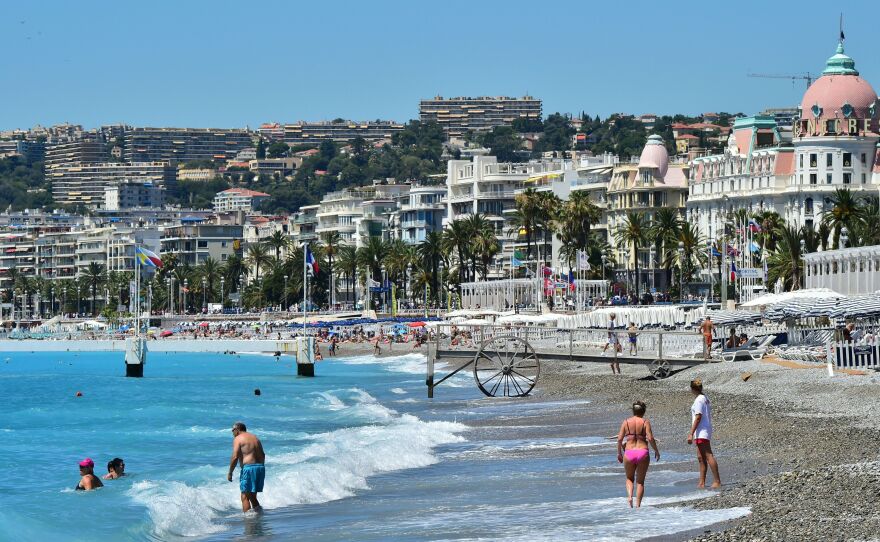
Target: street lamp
[185, 289]
[52, 307]
[222, 292]
[440, 285]
[681, 271]
[384, 293]
[284, 293]
[240, 292]
[407, 281]
[804, 261]
[205, 294]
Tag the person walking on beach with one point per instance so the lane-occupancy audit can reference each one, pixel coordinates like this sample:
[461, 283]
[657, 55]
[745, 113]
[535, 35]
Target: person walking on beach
[247, 450]
[701, 434]
[614, 342]
[634, 455]
[706, 329]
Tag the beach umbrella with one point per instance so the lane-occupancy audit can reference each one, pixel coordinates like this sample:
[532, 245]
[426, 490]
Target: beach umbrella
[416, 324]
[166, 333]
[204, 324]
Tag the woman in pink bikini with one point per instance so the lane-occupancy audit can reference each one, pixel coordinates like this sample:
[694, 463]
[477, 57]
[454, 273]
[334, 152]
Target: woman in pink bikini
[634, 454]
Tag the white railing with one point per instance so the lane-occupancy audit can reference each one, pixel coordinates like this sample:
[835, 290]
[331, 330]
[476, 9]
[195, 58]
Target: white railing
[861, 354]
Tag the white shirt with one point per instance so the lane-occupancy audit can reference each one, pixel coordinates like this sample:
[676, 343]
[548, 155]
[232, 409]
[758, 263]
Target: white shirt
[704, 428]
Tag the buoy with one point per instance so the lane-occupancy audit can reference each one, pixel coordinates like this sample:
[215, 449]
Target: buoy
[79, 394]
[257, 391]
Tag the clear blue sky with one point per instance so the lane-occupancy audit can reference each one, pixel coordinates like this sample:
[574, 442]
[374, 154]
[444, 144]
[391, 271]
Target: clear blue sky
[231, 64]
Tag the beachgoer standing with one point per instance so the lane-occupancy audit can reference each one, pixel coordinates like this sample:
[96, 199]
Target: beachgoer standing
[88, 481]
[634, 455]
[701, 433]
[247, 450]
[633, 333]
[115, 469]
[376, 349]
[614, 342]
[706, 329]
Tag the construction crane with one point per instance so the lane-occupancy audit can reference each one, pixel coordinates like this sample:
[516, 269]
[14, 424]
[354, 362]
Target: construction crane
[808, 77]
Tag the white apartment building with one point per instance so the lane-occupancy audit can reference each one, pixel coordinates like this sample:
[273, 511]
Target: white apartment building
[418, 213]
[358, 213]
[238, 199]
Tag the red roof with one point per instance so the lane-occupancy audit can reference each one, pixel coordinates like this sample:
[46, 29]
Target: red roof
[309, 152]
[244, 192]
[687, 136]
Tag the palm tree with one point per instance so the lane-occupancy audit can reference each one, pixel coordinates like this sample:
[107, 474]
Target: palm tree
[430, 251]
[846, 210]
[346, 259]
[371, 257]
[277, 242]
[665, 232]
[693, 244]
[634, 232]
[526, 216]
[480, 232]
[548, 211]
[331, 241]
[866, 230]
[770, 223]
[94, 277]
[233, 270]
[211, 271]
[576, 218]
[785, 263]
[258, 256]
[457, 239]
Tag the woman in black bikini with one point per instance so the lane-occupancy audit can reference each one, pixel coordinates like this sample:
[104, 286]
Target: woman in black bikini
[88, 480]
[635, 455]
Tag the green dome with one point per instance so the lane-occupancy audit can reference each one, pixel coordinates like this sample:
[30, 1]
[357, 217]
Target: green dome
[840, 63]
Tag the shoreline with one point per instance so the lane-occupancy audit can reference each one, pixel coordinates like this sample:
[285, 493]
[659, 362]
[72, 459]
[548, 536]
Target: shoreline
[781, 439]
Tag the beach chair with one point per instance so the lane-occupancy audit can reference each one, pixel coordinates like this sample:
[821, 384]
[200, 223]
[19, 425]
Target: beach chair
[754, 349]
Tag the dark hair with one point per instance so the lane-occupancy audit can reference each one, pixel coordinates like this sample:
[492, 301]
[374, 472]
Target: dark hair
[117, 462]
[111, 465]
[239, 426]
[697, 385]
[639, 407]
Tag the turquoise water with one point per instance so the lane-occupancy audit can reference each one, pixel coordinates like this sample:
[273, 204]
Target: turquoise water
[357, 453]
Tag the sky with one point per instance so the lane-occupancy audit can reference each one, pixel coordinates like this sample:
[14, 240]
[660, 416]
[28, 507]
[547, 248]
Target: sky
[220, 63]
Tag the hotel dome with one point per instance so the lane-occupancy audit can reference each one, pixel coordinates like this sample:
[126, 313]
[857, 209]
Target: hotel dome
[839, 93]
[654, 155]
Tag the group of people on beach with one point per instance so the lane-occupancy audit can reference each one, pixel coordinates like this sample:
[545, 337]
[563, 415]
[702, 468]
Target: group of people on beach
[636, 434]
[89, 481]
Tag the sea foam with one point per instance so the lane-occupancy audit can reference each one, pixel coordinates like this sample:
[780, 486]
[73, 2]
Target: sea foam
[333, 465]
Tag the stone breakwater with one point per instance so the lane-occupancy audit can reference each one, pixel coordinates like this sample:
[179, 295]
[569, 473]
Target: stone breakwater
[795, 446]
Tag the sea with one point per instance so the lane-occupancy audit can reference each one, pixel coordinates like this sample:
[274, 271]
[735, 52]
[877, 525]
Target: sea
[356, 453]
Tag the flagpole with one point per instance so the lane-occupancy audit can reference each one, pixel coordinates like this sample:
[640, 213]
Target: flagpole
[305, 284]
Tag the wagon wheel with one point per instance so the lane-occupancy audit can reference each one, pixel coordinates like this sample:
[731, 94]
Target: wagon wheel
[507, 366]
[659, 369]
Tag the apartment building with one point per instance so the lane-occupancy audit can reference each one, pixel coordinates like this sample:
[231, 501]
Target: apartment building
[460, 115]
[303, 224]
[87, 149]
[313, 133]
[29, 151]
[418, 213]
[184, 144]
[85, 183]
[193, 243]
[238, 199]
[358, 213]
[130, 194]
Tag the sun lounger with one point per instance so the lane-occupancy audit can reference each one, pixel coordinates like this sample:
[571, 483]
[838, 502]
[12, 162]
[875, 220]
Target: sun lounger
[755, 348]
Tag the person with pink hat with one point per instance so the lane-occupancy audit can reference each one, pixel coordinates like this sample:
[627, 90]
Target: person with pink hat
[88, 480]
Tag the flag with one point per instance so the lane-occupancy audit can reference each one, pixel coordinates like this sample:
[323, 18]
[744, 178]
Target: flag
[583, 260]
[311, 262]
[716, 252]
[731, 251]
[515, 262]
[147, 257]
[518, 255]
[754, 227]
[732, 271]
[571, 280]
[754, 247]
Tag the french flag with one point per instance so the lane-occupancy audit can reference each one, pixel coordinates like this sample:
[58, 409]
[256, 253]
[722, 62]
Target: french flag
[754, 227]
[311, 261]
[732, 271]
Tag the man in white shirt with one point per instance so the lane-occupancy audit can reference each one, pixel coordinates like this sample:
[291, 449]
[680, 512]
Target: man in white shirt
[701, 434]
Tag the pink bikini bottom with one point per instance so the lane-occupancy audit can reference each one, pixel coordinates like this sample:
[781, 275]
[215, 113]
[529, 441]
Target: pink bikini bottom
[636, 456]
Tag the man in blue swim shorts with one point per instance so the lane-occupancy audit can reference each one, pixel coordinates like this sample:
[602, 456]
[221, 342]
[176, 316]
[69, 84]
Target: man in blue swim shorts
[247, 450]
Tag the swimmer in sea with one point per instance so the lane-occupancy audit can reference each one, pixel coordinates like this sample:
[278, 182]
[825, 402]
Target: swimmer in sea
[88, 481]
[115, 469]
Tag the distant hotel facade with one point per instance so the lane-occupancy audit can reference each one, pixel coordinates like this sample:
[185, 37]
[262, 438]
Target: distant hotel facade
[184, 144]
[313, 133]
[87, 183]
[460, 115]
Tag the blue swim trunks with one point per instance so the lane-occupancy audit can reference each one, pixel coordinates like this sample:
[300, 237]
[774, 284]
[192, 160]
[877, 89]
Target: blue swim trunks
[251, 478]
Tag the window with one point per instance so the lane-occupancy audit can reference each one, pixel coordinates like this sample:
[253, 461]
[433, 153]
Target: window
[801, 157]
[223, 244]
[864, 162]
[224, 257]
[813, 178]
[863, 178]
[203, 244]
[829, 159]
[828, 178]
[801, 180]
[808, 206]
[847, 159]
[813, 160]
[847, 178]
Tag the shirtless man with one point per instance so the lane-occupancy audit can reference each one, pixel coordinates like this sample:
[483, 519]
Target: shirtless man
[247, 450]
[706, 329]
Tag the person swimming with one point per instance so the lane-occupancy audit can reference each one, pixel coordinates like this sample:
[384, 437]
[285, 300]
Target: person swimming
[88, 481]
[635, 455]
[115, 469]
